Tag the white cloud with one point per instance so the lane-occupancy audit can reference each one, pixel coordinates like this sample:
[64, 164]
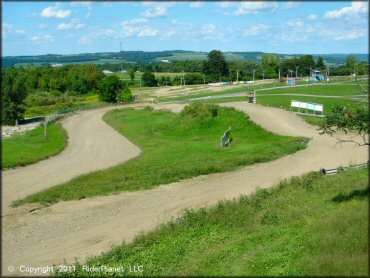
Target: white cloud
[344, 35]
[156, 9]
[295, 23]
[65, 26]
[9, 30]
[42, 38]
[89, 12]
[55, 12]
[138, 28]
[255, 7]
[356, 9]
[73, 24]
[197, 4]
[42, 26]
[77, 3]
[312, 17]
[291, 5]
[80, 25]
[227, 4]
[256, 30]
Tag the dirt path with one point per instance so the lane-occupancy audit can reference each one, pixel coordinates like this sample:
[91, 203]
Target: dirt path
[89, 227]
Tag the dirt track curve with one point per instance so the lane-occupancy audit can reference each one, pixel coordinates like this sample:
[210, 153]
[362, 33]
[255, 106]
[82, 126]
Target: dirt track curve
[90, 226]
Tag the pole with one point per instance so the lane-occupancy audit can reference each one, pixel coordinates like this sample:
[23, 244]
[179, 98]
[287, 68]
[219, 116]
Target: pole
[253, 75]
[237, 77]
[183, 76]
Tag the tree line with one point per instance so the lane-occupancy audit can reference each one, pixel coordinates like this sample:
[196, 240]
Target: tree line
[36, 85]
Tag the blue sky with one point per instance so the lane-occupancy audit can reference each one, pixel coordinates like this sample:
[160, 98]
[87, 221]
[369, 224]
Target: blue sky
[33, 28]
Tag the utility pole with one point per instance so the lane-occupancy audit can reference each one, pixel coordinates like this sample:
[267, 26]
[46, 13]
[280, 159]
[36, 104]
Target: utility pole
[279, 73]
[296, 71]
[253, 74]
[183, 76]
[237, 77]
[263, 75]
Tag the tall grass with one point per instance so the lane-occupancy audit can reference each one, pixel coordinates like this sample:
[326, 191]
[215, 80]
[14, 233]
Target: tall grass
[296, 228]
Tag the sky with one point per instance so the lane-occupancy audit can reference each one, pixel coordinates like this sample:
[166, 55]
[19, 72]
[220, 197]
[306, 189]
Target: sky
[291, 27]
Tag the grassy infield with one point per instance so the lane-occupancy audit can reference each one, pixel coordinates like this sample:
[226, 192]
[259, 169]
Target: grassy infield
[175, 147]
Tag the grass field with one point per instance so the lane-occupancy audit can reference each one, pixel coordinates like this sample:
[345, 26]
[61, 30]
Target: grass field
[175, 147]
[308, 226]
[31, 146]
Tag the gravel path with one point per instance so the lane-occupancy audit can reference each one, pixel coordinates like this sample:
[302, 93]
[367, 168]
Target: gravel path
[41, 237]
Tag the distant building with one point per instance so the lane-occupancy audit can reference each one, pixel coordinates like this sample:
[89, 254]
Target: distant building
[56, 65]
[165, 61]
[107, 71]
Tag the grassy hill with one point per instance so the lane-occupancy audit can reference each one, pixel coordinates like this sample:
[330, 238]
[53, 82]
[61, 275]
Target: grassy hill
[307, 226]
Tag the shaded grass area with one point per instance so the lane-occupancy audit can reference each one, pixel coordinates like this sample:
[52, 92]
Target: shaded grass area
[175, 147]
[31, 146]
[293, 229]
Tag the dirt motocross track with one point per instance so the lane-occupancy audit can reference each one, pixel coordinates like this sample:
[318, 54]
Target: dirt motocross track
[35, 236]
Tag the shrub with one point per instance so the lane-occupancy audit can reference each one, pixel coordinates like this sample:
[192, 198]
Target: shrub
[200, 110]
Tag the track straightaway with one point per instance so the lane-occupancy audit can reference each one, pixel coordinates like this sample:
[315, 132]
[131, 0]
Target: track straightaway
[90, 226]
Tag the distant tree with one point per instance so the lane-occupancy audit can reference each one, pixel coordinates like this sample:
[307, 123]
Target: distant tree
[320, 63]
[351, 61]
[13, 95]
[131, 73]
[148, 79]
[216, 65]
[109, 88]
[270, 65]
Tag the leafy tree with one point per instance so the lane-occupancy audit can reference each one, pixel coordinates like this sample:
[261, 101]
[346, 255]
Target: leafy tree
[349, 119]
[149, 79]
[320, 63]
[216, 65]
[351, 61]
[13, 95]
[131, 73]
[125, 95]
[109, 88]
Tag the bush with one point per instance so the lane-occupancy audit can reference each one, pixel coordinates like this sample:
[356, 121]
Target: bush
[125, 96]
[200, 110]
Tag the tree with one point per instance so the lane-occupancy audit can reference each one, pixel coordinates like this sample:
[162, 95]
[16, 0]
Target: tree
[125, 95]
[349, 119]
[351, 61]
[13, 95]
[149, 79]
[320, 63]
[216, 65]
[109, 88]
[131, 73]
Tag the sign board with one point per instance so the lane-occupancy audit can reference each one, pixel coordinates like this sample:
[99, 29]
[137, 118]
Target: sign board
[307, 106]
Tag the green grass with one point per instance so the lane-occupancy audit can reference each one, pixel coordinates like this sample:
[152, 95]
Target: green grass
[31, 146]
[174, 147]
[329, 90]
[285, 101]
[308, 226]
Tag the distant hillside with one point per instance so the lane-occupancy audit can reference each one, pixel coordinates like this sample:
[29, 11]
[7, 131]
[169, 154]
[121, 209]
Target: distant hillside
[157, 56]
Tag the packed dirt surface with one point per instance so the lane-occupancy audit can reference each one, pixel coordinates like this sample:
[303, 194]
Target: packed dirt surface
[35, 236]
